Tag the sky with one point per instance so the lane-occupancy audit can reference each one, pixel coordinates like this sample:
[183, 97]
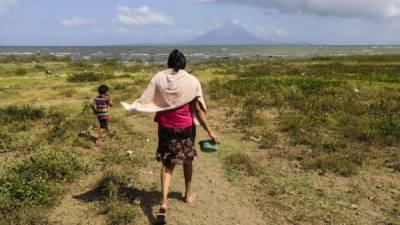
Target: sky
[124, 22]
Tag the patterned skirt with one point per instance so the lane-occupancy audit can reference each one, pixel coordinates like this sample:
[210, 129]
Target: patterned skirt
[176, 145]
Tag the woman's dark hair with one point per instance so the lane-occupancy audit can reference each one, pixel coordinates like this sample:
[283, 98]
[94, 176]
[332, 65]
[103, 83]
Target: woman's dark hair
[176, 60]
[103, 89]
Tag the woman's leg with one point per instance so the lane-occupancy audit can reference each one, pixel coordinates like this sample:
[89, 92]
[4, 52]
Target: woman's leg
[166, 174]
[188, 171]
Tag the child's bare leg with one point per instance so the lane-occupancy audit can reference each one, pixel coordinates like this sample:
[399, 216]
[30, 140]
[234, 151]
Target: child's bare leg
[99, 136]
[106, 133]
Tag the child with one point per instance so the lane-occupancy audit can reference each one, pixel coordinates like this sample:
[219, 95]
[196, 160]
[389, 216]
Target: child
[100, 106]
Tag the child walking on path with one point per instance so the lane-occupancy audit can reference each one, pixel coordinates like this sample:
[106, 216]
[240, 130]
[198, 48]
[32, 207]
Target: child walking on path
[100, 105]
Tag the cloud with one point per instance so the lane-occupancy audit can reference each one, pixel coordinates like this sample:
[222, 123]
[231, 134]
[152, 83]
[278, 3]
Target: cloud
[373, 9]
[141, 16]
[76, 21]
[4, 4]
[184, 32]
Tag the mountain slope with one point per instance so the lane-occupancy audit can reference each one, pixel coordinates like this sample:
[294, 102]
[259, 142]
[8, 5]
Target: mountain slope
[230, 34]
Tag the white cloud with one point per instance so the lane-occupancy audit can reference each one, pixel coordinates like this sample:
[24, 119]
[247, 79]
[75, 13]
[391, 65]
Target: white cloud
[375, 9]
[184, 32]
[4, 4]
[269, 32]
[76, 21]
[123, 9]
[280, 33]
[142, 16]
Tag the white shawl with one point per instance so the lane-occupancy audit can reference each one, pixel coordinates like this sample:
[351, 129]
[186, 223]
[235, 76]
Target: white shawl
[168, 90]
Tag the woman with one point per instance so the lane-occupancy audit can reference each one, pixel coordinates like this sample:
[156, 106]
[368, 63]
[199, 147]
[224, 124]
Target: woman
[177, 98]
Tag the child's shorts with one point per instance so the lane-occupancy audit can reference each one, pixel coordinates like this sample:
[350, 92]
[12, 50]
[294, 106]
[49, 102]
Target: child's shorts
[103, 124]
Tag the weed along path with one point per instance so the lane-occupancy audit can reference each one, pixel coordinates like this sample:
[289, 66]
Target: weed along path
[218, 202]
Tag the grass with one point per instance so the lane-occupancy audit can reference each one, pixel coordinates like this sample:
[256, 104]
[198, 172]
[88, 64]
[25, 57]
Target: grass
[122, 214]
[326, 114]
[335, 116]
[117, 205]
[240, 163]
[89, 77]
[36, 183]
[14, 113]
[21, 71]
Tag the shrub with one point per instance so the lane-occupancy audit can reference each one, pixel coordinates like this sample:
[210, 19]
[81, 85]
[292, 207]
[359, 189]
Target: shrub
[89, 77]
[21, 112]
[6, 140]
[21, 71]
[81, 64]
[57, 124]
[40, 67]
[121, 214]
[269, 139]
[241, 163]
[110, 184]
[33, 182]
[69, 92]
[345, 164]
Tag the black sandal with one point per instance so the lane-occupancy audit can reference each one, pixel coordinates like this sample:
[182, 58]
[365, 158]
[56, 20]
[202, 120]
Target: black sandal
[162, 216]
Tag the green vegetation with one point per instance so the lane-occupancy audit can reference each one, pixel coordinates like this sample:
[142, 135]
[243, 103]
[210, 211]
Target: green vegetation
[122, 214]
[321, 105]
[307, 138]
[18, 113]
[21, 71]
[36, 183]
[89, 77]
[112, 189]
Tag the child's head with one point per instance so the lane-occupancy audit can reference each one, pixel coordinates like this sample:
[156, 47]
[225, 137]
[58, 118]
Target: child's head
[103, 89]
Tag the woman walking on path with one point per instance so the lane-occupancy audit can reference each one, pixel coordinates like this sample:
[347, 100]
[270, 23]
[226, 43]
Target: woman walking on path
[177, 98]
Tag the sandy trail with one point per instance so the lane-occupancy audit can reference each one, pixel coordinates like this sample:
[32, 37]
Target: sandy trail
[218, 201]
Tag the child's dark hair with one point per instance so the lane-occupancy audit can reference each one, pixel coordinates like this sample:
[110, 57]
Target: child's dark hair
[176, 60]
[103, 89]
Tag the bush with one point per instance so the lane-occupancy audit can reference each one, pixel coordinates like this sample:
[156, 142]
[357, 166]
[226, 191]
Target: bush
[23, 112]
[237, 163]
[81, 64]
[28, 187]
[89, 77]
[269, 140]
[69, 92]
[110, 184]
[6, 140]
[33, 182]
[58, 125]
[21, 71]
[121, 214]
[345, 164]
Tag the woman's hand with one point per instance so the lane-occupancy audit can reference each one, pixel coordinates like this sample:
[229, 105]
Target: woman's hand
[213, 137]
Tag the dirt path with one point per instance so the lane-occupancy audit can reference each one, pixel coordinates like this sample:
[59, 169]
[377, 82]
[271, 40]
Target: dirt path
[218, 201]
[72, 210]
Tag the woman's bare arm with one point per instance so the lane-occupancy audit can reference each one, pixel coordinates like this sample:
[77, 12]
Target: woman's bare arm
[203, 120]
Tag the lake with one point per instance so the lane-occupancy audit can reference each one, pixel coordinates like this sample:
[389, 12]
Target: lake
[195, 53]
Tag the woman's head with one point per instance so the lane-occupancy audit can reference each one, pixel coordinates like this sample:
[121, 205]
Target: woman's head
[176, 60]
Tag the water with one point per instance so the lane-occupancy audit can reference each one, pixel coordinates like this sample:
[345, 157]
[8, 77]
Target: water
[195, 53]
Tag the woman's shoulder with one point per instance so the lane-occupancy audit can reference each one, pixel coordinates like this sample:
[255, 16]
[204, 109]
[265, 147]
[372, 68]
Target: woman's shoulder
[190, 76]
